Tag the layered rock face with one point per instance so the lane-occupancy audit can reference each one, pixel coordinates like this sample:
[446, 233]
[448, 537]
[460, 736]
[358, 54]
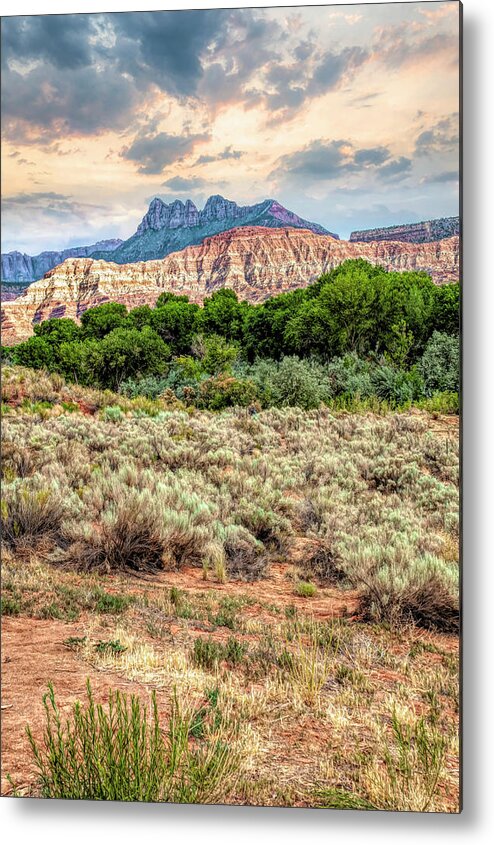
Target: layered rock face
[255, 262]
[414, 233]
[19, 267]
[167, 228]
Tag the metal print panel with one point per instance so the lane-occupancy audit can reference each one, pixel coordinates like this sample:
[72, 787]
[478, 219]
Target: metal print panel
[231, 259]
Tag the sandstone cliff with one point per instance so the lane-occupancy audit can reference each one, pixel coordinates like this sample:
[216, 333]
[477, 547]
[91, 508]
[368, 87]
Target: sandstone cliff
[255, 262]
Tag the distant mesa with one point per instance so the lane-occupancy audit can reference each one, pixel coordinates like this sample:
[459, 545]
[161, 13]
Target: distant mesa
[413, 233]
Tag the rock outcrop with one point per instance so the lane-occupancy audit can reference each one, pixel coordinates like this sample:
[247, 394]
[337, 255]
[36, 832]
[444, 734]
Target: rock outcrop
[18, 267]
[413, 233]
[167, 228]
[255, 262]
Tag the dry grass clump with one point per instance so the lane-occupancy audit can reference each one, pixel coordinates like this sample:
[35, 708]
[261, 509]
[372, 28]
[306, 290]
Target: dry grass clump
[245, 557]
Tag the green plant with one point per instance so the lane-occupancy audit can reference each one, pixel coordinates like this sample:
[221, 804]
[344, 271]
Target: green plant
[109, 647]
[305, 589]
[206, 653]
[414, 762]
[120, 754]
[112, 603]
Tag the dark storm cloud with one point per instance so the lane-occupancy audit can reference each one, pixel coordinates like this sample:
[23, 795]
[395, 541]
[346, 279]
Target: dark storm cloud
[60, 40]
[155, 152]
[227, 153]
[44, 105]
[180, 183]
[166, 48]
[329, 160]
[112, 62]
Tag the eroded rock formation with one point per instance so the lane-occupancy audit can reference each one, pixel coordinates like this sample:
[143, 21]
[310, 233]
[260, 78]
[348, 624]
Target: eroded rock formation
[256, 262]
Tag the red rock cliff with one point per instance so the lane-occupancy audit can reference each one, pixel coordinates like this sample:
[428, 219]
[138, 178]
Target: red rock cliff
[255, 262]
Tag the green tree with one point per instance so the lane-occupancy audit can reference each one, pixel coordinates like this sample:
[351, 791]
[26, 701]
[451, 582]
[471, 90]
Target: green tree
[37, 352]
[223, 314]
[103, 319]
[446, 316]
[176, 322]
[58, 330]
[127, 353]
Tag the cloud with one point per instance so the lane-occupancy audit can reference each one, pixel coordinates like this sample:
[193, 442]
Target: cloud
[396, 170]
[290, 86]
[155, 152]
[372, 155]
[323, 160]
[27, 207]
[45, 105]
[59, 40]
[440, 178]
[412, 44]
[181, 183]
[227, 153]
[167, 48]
[441, 137]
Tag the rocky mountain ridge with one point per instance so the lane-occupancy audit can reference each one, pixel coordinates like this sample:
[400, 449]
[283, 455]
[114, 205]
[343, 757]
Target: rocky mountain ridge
[18, 267]
[167, 228]
[256, 262]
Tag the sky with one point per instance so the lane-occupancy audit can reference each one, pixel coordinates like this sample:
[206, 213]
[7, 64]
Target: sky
[347, 115]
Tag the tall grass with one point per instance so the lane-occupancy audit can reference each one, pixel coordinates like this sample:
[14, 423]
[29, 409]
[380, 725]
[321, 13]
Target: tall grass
[120, 754]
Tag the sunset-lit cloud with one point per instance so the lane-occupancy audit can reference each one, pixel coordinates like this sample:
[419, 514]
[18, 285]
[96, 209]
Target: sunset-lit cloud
[348, 115]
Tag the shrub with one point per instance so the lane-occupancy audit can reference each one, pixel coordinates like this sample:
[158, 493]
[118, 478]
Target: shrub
[121, 754]
[245, 557]
[401, 588]
[323, 562]
[128, 539]
[440, 364]
[30, 516]
[225, 391]
[300, 383]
